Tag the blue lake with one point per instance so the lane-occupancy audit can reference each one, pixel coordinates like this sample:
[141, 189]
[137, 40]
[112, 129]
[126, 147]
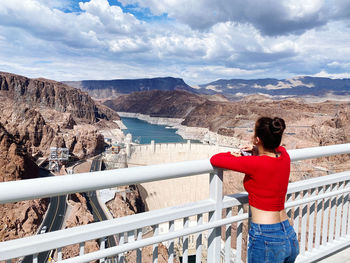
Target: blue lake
[145, 132]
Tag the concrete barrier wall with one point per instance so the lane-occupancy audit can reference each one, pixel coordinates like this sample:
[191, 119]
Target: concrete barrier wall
[193, 149]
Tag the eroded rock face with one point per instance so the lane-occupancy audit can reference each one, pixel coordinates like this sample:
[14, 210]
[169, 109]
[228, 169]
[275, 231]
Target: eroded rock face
[15, 163]
[88, 141]
[21, 218]
[126, 204]
[37, 135]
[54, 95]
[79, 215]
[38, 112]
[156, 103]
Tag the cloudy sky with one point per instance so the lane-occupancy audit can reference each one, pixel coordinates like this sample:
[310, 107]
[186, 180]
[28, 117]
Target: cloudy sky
[197, 40]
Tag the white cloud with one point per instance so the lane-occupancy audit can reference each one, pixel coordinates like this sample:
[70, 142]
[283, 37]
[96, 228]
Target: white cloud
[127, 45]
[324, 74]
[300, 8]
[111, 18]
[202, 41]
[270, 17]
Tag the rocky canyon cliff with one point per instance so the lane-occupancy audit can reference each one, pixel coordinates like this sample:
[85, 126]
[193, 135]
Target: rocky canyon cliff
[37, 114]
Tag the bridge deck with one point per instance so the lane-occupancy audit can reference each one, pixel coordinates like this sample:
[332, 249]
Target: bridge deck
[342, 256]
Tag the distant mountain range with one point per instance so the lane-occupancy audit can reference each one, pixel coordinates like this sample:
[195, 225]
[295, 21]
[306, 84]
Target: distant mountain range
[232, 89]
[294, 87]
[112, 88]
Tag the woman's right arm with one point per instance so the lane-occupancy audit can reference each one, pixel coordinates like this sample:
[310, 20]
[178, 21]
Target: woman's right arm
[243, 164]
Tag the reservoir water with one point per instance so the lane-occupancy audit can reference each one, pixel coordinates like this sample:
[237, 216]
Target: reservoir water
[144, 132]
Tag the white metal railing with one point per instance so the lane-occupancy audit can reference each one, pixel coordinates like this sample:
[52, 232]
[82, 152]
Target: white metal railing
[319, 208]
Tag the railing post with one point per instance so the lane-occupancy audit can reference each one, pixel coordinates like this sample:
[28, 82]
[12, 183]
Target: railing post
[128, 150]
[214, 235]
[188, 145]
[153, 147]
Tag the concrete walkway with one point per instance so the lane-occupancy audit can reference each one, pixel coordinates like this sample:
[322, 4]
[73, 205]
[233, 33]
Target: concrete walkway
[341, 257]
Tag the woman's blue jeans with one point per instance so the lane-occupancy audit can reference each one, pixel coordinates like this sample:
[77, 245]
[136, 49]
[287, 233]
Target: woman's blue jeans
[273, 243]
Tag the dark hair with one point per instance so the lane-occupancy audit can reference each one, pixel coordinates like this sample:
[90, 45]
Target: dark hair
[270, 131]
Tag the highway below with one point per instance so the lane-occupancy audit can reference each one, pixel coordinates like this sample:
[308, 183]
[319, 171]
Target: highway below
[55, 215]
[94, 206]
[53, 221]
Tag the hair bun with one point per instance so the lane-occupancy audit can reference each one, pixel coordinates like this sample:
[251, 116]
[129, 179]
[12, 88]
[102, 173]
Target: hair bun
[277, 126]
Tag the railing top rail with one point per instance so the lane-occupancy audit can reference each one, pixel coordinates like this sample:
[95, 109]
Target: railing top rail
[83, 182]
[317, 152]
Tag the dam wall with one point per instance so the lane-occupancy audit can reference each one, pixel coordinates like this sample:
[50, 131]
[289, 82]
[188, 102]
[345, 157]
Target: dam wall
[147, 154]
[177, 191]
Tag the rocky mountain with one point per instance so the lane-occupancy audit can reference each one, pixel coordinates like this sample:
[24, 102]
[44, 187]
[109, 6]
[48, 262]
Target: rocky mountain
[104, 89]
[21, 218]
[156, 103]
[44, 113]
[309, 124]
[43, 93]
[294, 87]
[15, 162]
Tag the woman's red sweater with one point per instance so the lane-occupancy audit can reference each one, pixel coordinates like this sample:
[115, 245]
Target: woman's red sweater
[266, 178]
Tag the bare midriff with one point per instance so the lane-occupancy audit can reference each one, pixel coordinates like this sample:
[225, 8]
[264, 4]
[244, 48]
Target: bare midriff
[267, 217]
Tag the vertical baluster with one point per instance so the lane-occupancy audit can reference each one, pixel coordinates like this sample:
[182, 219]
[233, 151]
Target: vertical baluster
[131, 236]
[303, 224]
[102, 246]
[289, 210]
[345, 210]
[35, 258]
[171, 244]
[325, 216]
[139, 251]
[228, 237]
[185, 243]
[214, 235]
[199, 240]
[339, 212]
[81, 248]
[59, 254]
[319, 216]
[239, 236]
[332, 215]
[311, 222]
[348, 231]
[155, 246]
[121, 242]
[296, 215]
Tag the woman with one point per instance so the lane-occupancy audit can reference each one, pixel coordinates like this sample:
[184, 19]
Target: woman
[266, 165]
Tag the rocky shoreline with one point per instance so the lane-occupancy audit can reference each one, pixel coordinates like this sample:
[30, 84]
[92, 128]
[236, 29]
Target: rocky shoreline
[153, 120]
[203, 135]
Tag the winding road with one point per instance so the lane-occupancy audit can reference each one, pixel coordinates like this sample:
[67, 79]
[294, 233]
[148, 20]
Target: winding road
[94, 205]
[53, 221]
